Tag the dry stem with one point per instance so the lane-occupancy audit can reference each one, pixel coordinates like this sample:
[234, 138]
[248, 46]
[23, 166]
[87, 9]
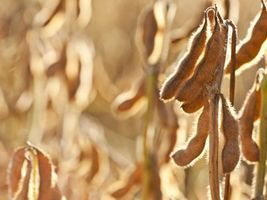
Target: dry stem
[213, 147]
[261, 166]
[227, 186]
[151, 85]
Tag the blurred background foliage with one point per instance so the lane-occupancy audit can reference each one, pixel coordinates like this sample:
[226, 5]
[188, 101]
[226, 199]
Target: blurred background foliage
[63, 62]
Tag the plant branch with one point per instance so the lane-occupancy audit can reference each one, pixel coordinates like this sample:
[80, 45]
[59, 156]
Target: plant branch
[213, 146]
[227, 186]
[214, 97]
[261, 166]
[151, 84]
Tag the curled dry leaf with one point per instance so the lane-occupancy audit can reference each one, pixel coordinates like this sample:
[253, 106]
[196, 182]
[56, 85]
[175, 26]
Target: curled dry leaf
[32, 176]
[187, 64]
[248, 114]
[196, 144]
[251, 46]
[230, 130]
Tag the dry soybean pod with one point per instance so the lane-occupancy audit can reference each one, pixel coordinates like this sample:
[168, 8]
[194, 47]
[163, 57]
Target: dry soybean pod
[247, 117]
[125, 102]
[146, 31]
[205, 70]
[194, 105]
[184, 157]
[187, 64]
[230, 130]
[214, 75]
[252, 44]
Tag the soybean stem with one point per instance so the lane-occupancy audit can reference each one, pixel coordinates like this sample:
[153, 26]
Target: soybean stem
[261, 166]
[227, 186]
[213, 148]
[151, 84]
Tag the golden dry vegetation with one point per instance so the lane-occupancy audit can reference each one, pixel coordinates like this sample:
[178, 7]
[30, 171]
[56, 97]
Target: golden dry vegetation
[151, 100]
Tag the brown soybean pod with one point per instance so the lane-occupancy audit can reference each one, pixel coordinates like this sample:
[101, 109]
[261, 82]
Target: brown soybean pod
[194, 105]
[184, 157]
[205, 71]
[127, 103]
[247, 115]
[208, 70]
[230, 130]
[146, 30]
[187, 65]
[251, 45]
